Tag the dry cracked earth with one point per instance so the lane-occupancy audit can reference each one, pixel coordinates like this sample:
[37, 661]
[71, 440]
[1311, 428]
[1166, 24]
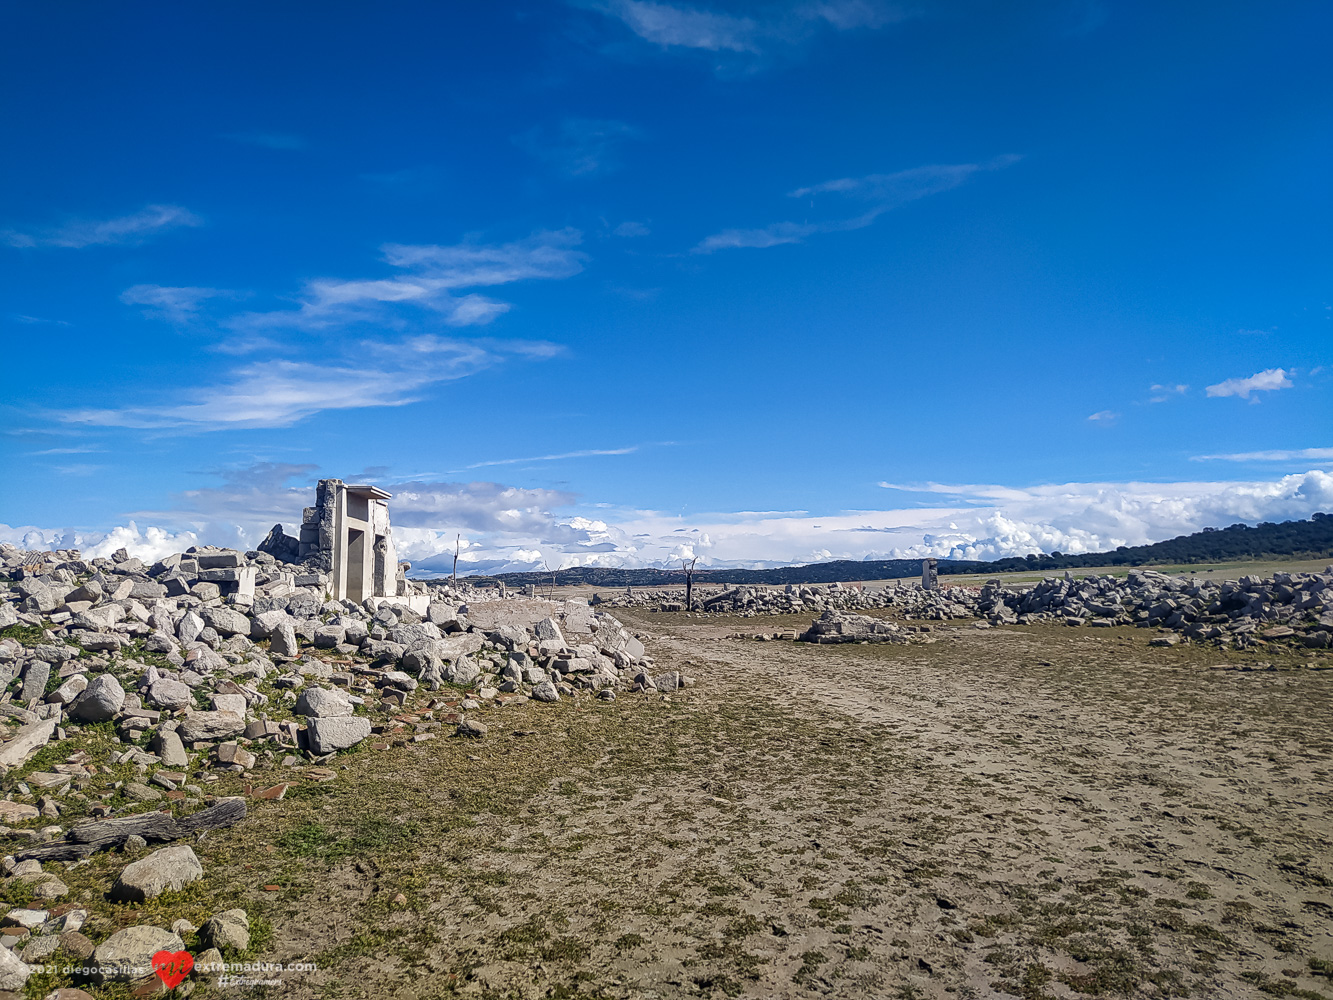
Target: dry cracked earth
[1039, 812]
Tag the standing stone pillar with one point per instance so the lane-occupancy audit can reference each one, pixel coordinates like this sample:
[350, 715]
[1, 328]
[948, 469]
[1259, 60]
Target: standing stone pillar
[929, 574]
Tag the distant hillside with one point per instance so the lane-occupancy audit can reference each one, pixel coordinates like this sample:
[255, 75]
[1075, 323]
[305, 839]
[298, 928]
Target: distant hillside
[1312, 539]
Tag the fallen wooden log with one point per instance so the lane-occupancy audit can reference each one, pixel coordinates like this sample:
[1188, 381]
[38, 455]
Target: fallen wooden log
[100, 835]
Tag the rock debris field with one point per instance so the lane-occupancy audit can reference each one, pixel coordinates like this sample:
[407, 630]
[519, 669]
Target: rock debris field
[938, 794]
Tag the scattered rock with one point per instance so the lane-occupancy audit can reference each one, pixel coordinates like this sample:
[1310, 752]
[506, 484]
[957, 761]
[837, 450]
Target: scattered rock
[128, 953]
[167, 868]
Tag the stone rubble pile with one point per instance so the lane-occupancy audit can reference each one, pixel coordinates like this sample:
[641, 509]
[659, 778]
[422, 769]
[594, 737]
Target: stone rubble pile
[218, 662]
[1295, 608]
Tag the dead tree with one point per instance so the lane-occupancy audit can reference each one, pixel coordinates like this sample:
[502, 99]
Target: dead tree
[458, 540]
[688, 568]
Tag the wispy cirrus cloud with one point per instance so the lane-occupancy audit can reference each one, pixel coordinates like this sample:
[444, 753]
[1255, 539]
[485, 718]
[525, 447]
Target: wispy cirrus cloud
[879, 193]
[1275, 455]
[430, 277]
[702, 28]
[173, 304]
[279, 393]
[1268, 380]
[125, 229]
[1104, 417]
[579, 147]
[586, 453]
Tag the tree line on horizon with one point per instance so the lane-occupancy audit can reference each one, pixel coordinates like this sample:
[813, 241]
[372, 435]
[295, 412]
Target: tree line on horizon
[1312, 539]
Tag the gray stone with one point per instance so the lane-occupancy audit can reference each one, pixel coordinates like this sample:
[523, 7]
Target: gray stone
[228, 929]
[128, 954]
[227, 622]
[548, 629]
[210, 726]
[189, 627]
[545, 691]
[171, 694]
[329, 636]
[34, 680]
[99, 701]
[471, 728]
[283, 640]
[329, 734]
[14, 972]
[67, 692]
[167, 868]
[234, 703]
[322, 703]
[169, 747]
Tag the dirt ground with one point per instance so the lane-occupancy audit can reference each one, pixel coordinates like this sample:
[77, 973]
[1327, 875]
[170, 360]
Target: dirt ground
[1032, 812]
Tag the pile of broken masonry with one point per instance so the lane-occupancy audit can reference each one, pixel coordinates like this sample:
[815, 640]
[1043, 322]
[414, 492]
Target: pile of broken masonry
[195, 684]
[1294, 608]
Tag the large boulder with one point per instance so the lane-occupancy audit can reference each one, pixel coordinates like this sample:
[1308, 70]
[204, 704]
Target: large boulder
[169, 868]
[170, 694]
[321, 703]
[128, 954]
[99, 701]
[338, 733]
[210, 726]
[227, 622]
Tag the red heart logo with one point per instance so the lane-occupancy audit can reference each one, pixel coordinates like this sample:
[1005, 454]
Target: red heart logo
[172, 966]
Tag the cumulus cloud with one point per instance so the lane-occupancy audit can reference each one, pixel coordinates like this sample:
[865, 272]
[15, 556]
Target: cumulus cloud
[125, 229]
[1268, 380]
[505, 527]
[150, 545]
[876, 193]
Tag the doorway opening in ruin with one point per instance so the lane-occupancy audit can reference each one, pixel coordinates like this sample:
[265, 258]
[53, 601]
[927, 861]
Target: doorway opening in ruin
[356, 565]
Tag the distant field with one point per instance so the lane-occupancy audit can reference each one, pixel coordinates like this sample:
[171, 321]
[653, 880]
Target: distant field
[1205, 571]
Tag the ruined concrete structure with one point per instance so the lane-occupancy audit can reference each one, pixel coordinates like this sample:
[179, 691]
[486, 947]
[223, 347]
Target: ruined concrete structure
[929, 574]
[346, 538]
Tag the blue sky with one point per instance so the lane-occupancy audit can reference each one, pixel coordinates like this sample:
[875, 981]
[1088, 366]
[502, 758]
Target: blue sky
[619, 281]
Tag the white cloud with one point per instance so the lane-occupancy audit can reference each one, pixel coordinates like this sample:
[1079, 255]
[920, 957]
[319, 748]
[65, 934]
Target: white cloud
[1161, 393]
[1103, 416]
[432, 275]
[1292, 455]
[126, 229]
[677, 26]
[880, 192]
[149, 545]
[1268, 380]
[588, 453]
[631, 229]
[175, 305]
[279, 393]
[668, 25]
[513, 528]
